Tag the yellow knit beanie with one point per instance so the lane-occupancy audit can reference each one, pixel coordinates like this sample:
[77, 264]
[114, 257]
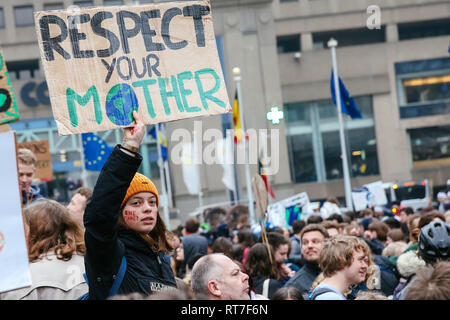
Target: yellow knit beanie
[140, 183]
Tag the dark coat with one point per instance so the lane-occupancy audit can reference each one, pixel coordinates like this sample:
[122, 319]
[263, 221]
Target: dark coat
[389, 278]
[305, 277]
[195, 246]
[258, 284]
[106, 243]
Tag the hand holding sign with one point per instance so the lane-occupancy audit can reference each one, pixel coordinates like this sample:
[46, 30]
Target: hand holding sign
[133, 136]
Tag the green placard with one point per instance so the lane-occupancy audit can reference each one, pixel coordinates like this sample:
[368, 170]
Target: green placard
[8, 106]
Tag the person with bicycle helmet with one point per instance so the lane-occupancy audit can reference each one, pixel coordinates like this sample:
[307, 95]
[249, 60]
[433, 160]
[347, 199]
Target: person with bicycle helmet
[434, 246]
[434, 242]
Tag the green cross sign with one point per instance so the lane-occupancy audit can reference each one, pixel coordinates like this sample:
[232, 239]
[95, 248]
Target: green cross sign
[275, 115]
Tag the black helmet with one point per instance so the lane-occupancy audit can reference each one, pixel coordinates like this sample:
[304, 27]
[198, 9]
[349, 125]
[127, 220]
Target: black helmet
[434, 241]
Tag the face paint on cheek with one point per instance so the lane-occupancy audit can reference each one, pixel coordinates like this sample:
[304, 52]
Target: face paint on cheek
[130, 216]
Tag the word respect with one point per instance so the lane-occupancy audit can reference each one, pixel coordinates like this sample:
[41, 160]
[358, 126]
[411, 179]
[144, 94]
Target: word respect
[141, 25]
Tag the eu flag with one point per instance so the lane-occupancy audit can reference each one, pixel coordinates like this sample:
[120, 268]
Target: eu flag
[96, 151]
[348, 105]
[162, 138]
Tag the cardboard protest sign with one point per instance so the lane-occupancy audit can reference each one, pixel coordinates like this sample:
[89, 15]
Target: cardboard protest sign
[41, 149]
[102, 63]
[8, 106]
[14, 268]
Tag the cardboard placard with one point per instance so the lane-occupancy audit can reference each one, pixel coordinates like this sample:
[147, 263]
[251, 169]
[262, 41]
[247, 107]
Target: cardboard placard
[41, 150]
[102, 63]
[8, 106]
[15, 272]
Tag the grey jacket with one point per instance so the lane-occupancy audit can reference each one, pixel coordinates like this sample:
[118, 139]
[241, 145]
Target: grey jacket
[52, 279]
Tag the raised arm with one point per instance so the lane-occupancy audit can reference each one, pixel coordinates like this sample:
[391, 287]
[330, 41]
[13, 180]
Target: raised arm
[103, 254]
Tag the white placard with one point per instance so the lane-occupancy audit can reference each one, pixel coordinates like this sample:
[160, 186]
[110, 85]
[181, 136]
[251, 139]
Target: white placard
[14, 268]
[360, 200]
[378, 195]
[276, 212]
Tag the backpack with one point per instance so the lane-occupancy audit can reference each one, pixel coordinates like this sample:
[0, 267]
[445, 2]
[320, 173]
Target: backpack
[116, 284]
[318, 292]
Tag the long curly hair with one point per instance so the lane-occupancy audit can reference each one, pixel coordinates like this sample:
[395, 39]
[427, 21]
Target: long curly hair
[258, 262]
[51, 228]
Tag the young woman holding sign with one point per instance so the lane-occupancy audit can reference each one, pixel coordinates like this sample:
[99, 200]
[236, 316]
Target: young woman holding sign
[122, 221]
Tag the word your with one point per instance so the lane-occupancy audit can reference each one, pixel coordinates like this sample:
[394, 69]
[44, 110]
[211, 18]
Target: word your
[131, 67]
[121, 99]
[130, 25]
[374, 21]
[257, 145]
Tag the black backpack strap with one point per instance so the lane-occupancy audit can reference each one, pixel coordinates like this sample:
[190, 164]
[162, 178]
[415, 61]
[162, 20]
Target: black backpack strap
[317, 292]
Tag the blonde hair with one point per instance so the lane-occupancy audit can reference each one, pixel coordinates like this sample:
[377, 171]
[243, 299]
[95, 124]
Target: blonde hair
[26, 156]
[370, 295]
[52, 228]
[337, 253]
[394, 249]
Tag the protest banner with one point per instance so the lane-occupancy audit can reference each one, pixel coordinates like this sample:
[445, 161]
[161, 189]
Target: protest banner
[284, 212]
[371, 194]
[8, 106]
[102, 63]
[41, 150]
[14, 268]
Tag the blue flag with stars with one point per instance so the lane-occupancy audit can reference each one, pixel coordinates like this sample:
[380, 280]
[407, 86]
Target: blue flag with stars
[162, 138]
[348, 105]
[96, 151]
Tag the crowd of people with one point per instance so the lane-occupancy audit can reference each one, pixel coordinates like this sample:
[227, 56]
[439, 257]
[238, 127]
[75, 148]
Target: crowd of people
[111, 243]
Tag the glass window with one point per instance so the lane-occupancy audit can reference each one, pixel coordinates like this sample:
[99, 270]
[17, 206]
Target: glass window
[312, 131]
[2, 18]
[83, 4]
[53, 6]
[302, 158]
[430, 143]
[424, 29]
[23, 16]
[290, 43]
[153, 159]
[23, 69]
[349, 37]
[425, 89]
[113, 2]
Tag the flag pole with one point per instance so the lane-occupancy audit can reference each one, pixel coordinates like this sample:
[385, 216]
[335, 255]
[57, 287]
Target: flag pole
[83, 164]
[332, 43]
[237, 80]
[197, 168]
[163, 179]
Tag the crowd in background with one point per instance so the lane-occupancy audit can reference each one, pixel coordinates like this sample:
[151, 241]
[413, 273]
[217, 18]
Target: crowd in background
[371, 254]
